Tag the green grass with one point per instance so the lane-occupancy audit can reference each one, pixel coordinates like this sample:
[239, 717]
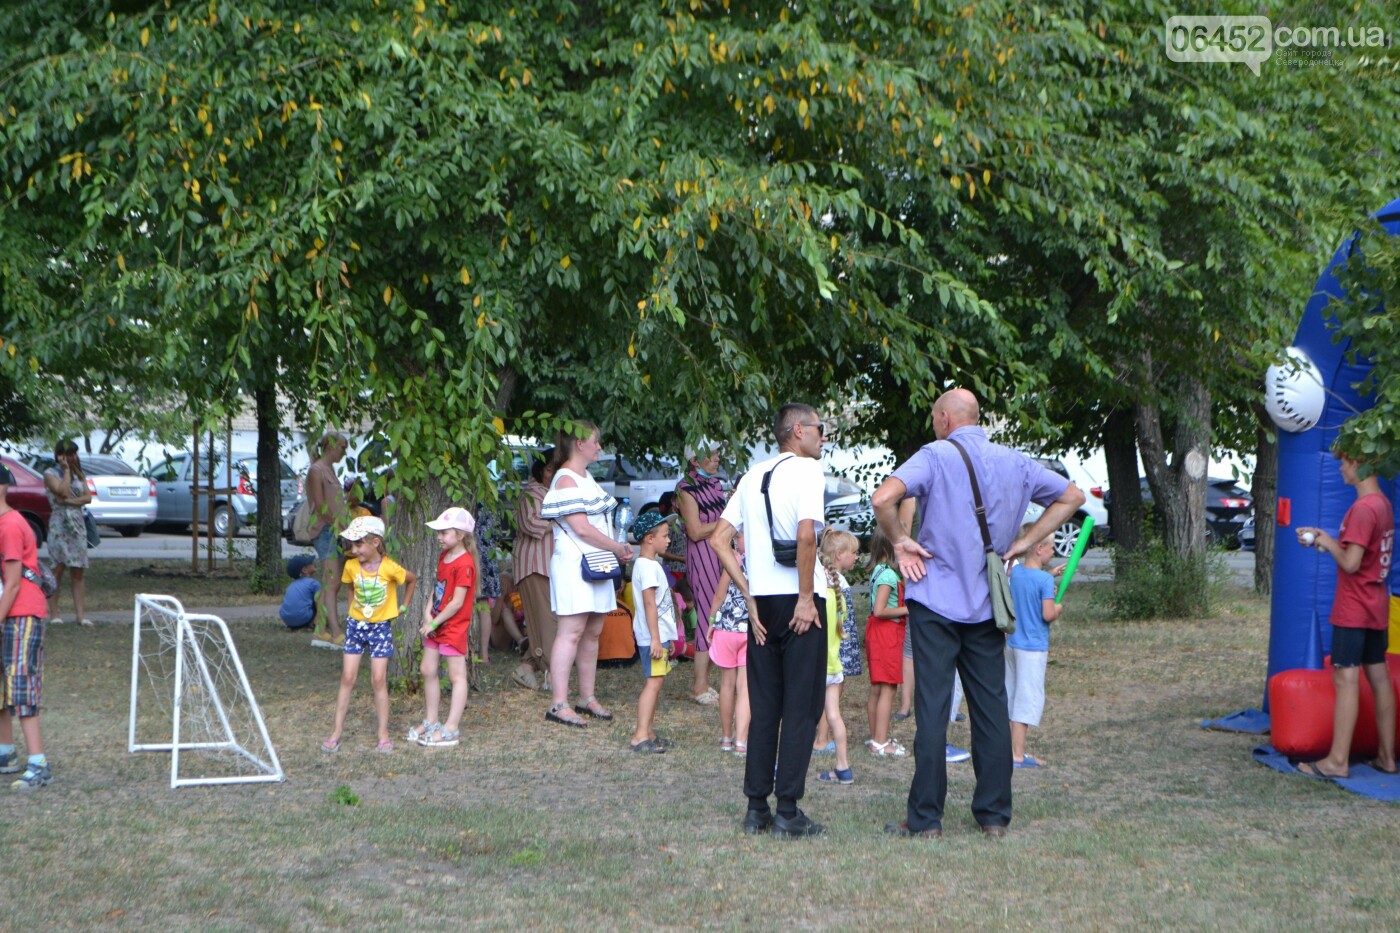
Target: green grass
[1139, 819]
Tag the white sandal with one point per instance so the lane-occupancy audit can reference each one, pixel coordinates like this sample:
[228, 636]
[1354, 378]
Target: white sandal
[890, 749]
[56, 620]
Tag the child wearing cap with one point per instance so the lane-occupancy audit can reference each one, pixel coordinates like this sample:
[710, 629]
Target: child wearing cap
[299, 606]
[653, 625]
[376, 579]
[446, 621]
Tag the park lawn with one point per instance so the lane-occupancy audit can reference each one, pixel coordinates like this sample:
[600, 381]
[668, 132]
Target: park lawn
[110, 585]
[1139, 819]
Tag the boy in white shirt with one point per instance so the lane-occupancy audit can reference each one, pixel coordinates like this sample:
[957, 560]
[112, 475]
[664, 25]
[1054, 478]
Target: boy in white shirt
[653, 624]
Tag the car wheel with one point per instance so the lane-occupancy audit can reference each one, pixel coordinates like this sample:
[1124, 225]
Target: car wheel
[1065, 537]
[40, 535]
[226, 523]
[130, 531]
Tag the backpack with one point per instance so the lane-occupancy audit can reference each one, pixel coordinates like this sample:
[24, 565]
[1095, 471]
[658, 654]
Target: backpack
[301, 523]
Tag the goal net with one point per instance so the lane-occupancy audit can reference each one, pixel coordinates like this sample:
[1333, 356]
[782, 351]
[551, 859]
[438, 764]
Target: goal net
[190, 697]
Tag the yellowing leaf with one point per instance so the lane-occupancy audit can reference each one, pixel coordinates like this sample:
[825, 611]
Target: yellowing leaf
[145, 37]
[834, 242]
[802, 107]
[476, 303]
[565, 262]
[641, 306]
[480, 319]
[699, 242]
[121, 262]
[388, 294]
[465, 276]
[631, 349]
[938, 140]
[986, 176]
[714, 222]
[499, 425]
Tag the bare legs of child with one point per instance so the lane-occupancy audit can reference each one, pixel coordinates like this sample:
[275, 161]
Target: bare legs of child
[877, 711]
[842, 774]
[379, 681]
[446, 734]
[646, 715]
[734, 709]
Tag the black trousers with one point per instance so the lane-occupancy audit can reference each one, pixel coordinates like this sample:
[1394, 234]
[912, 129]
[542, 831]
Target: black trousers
[787, 693]
[977, 651]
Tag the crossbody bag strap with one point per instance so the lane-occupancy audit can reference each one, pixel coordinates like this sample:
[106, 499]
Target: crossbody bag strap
[976, 497]
[767, 502]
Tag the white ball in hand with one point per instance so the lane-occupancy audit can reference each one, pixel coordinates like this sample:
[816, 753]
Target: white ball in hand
[1308, 538]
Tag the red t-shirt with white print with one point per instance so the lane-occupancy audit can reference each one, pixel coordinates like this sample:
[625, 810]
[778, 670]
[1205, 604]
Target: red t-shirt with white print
[17, 543]
[1363, 598]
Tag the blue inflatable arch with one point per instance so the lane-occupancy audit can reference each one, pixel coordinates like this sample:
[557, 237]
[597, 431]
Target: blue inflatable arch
[1304, 579]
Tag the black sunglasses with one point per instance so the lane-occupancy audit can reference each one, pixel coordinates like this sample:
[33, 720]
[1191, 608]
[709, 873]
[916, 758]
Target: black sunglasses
[820, 426]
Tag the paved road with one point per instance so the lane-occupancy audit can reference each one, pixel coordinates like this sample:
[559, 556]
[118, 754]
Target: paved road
[158, 546]
[1097, 565]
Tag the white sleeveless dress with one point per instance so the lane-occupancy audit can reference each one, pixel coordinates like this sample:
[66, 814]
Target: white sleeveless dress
[569, 593]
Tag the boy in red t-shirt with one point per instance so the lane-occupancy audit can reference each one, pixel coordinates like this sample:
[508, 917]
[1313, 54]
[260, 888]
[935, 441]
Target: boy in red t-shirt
[1360, 620]
[23, 608]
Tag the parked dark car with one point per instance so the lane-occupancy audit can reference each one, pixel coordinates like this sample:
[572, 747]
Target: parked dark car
[27, 497]
[1247, 534]
[1228, 507]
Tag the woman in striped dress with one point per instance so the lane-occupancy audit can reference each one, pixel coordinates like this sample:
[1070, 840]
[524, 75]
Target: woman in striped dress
[582, 516]
[702, 500]
[534, 546]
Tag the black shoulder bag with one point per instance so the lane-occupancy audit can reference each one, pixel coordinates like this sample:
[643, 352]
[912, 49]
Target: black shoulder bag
[1003, 610]
[784, 550]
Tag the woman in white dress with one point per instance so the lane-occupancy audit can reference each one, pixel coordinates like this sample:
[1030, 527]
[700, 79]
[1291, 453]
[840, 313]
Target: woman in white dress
[582, 515]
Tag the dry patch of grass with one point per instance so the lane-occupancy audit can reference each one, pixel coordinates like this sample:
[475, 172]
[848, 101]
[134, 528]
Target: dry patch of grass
[1140, 818]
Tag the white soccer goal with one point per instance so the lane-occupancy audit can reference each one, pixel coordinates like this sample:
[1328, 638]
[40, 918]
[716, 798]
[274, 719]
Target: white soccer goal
[188, 684]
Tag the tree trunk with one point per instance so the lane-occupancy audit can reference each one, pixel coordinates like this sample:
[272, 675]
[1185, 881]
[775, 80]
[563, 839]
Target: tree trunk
[1179, 488]
[1125, 493]
[1265, 492]
[414, 545]
[268, 575]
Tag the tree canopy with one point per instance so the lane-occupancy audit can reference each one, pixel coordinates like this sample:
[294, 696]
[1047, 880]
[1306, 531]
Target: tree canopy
[465, 221]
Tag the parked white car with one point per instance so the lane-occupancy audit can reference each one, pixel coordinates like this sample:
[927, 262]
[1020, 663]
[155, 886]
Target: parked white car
[121, 497]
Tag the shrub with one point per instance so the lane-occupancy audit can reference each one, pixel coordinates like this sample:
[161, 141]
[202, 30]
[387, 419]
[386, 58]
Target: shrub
[1155, 582]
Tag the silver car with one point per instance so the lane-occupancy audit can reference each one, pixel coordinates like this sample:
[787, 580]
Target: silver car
[121, 497]
[235, 496]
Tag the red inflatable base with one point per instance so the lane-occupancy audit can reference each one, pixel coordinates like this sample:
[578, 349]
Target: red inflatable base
[1301, 706]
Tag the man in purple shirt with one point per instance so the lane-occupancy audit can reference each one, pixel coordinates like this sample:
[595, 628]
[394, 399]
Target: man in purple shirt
[950, 608]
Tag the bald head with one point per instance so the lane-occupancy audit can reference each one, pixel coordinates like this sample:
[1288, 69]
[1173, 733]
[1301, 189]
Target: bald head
[954, 409]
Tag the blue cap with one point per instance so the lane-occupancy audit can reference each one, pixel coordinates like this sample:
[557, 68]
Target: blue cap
[298, 564]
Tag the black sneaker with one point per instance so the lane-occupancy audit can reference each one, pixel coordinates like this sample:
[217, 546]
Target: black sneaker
[757, 822]
[796, 827]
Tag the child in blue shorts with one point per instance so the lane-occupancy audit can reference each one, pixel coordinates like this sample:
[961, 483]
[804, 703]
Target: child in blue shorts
[653, 624]
[299, 605]
[1028, 648]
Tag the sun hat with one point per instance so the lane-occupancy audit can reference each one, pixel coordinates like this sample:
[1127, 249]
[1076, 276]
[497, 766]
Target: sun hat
[646, 522]
[454, 517]
[299, 563]
[364, 525]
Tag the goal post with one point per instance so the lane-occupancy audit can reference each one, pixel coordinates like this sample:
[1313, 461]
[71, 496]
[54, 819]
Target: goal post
[190, 697]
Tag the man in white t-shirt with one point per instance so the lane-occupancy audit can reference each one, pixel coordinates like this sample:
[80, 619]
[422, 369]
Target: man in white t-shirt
[787, 648]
